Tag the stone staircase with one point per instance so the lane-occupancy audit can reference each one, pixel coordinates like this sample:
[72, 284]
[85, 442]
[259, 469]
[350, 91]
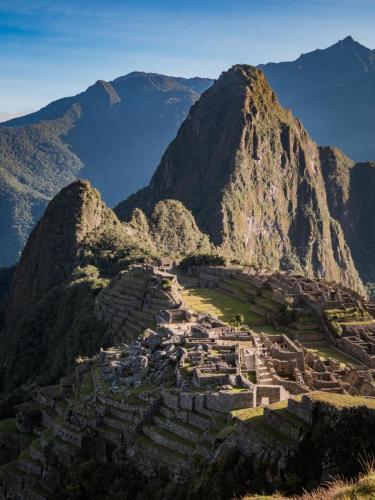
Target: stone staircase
[263, 374]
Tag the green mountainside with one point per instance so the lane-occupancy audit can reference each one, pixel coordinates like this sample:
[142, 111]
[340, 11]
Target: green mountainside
[76, 247]
[112, 134]
[252, 178]
[242, 181]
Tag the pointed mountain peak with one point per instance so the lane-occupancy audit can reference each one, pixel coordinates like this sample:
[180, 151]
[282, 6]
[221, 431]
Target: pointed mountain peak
[248, 83]
[242, 73]
[348, 43]
[51, 251]
[104, 91]
[251, 177]
[348, 40]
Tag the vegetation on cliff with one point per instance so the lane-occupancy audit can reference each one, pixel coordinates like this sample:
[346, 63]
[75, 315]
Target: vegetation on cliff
[49, 313]
[174, 230]
[73, 252]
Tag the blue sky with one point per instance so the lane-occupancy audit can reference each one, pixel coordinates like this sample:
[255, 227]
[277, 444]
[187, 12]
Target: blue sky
[51, 49]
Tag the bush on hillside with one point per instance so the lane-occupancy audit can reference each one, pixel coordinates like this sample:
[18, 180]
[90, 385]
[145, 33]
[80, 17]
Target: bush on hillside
[208, 259]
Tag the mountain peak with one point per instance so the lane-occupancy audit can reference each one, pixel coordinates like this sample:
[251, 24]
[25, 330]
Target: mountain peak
[343, 62]
[251, 177]
[245, 72]
[103, 89]
[348, 40]
[246, 80]
[51, 251]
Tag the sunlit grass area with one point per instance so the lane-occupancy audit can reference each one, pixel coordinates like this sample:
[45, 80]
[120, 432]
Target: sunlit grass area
[328, 352]
[342, 400]
[221, 305]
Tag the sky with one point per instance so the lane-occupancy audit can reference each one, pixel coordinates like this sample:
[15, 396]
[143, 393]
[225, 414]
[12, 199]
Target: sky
[51, 49]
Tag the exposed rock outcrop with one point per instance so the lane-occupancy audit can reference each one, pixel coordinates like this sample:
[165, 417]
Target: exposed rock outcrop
[350, 196]
[253, 180]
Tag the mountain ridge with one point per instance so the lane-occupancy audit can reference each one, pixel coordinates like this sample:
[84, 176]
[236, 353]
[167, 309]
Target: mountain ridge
[98, 134]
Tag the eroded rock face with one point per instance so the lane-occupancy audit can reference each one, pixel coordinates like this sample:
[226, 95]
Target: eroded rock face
[350, 193]
[252, 178]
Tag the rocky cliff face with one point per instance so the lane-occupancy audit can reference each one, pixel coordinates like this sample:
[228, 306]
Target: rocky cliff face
[350, 194]
[252, 178]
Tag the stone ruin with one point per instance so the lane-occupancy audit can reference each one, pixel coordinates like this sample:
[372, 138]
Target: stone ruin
[133, 299]
[202, 352]
[267, 292]
[164, 398]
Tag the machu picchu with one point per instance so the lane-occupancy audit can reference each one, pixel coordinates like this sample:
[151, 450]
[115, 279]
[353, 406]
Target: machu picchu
[180, 388]
[212, 335]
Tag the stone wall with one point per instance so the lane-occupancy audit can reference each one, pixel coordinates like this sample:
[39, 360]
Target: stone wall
[355, 350]
[218, 402]
[273, 393]
[303, 409]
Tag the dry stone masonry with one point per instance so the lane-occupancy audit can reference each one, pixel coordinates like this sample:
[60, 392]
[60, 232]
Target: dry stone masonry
[180, 387]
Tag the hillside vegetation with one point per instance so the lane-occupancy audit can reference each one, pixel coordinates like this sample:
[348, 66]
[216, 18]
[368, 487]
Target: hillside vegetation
[113, 134]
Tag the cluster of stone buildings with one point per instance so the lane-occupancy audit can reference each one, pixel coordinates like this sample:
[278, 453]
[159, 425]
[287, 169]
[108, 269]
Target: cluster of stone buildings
[164, 398]
[204, 353]
[268, 291]
[133, 300]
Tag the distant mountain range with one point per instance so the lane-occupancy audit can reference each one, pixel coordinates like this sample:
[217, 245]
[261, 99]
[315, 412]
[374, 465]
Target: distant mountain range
[332, 91]
[113, 134]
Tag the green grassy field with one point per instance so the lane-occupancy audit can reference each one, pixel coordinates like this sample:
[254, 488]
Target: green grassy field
[219, 304]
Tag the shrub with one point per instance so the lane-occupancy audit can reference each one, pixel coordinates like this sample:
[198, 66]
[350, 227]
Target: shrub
[336, 328]
[166, 284]
[208, 259]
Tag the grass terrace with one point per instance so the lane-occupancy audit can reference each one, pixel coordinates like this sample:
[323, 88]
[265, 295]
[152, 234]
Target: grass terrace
[342, 400]
[225, 307]
[221, 305]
